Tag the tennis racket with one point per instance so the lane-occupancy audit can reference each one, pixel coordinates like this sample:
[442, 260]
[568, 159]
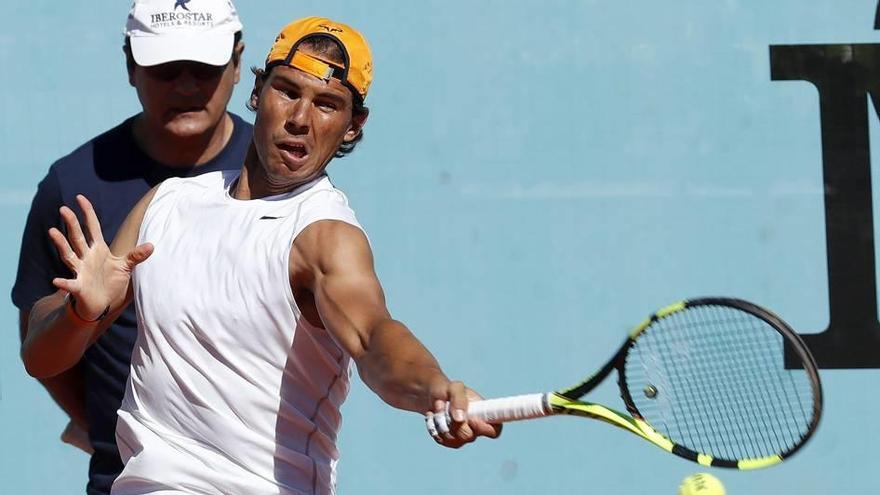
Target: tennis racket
[704, 379]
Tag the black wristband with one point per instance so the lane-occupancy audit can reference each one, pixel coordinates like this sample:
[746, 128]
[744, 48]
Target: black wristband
[72, 301]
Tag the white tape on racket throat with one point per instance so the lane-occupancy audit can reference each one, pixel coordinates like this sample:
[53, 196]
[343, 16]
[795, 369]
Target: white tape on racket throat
[506, 409]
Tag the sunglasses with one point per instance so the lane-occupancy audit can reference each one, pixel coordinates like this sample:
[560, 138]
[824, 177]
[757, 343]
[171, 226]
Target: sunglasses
[172, 70]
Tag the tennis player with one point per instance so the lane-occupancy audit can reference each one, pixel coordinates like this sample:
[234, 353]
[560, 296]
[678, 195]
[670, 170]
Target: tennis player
[257, 293]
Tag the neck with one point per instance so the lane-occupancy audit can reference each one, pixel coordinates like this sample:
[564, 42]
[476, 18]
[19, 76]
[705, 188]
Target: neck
[182, 151]
[253, 183]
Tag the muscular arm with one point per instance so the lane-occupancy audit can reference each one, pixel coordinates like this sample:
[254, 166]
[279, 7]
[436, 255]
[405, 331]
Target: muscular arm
[333, 261]
[57, 336]
[400, 369]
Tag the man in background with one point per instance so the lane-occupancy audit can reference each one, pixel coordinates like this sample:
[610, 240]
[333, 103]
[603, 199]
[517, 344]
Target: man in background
[183, 59]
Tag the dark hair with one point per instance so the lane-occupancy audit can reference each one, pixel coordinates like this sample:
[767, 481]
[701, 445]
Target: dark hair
[329, 48]
[129, 59]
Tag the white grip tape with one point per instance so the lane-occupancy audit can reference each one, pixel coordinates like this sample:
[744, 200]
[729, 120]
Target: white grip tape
[495, 411]
[513, 408]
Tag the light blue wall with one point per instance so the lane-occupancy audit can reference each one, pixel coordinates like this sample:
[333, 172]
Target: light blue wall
[536, 177]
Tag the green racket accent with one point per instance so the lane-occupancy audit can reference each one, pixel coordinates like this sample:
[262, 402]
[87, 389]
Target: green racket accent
[662, 313]
[636, 426]
[564, 405]
[759, 463]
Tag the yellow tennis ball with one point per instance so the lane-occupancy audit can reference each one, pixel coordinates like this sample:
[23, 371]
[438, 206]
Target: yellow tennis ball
[701, 484]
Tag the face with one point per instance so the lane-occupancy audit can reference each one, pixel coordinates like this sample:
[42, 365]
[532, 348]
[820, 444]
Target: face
[185, 99]
[301, 122]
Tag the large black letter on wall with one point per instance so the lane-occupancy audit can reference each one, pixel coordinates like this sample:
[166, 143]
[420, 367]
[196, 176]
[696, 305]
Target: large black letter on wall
[844, 75]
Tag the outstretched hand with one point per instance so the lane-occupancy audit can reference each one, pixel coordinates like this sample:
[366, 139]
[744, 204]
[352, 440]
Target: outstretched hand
[101, 279]
[452, 398]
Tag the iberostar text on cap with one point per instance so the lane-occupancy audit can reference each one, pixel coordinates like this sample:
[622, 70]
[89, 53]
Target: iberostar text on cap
[162, 31]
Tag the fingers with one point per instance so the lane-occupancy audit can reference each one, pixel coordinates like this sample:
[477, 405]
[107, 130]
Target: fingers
[458, 402]
[74, 232]
[431, 426]
[76, 238]
[461, 433]
[73, 247]
[459, 430]
[448, 423]
[451, 434]
[138, 255]
[441, 421]
[484, 429]
[68, 256]
[72, 286]
[92, 224]
[441, 430]
[436, 425]
[442, 392]
[78, 437]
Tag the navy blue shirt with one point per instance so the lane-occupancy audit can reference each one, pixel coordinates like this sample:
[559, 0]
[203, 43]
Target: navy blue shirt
[114, 173]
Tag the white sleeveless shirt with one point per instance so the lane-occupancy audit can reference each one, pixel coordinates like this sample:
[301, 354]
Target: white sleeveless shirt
[231, 391]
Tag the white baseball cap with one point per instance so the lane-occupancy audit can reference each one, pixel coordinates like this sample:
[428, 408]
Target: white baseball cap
[163, 31]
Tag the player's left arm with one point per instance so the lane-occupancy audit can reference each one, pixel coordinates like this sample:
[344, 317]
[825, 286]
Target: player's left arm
[333, 261]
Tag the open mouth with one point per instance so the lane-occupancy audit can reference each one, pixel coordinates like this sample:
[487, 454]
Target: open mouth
[296, 151]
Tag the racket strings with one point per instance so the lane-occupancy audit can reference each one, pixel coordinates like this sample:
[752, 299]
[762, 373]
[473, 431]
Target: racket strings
[721, 385]
[730, 423]
[765, 404]
[760, 402]
[696, 402]
[792, 421]
[691, 433]
[700, 403]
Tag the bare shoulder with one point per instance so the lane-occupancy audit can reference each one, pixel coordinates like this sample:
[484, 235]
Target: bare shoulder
[327, 259]
[127, 236]
[328, 245]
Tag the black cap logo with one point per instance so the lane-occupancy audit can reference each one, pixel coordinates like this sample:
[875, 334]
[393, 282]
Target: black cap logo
[330, 29]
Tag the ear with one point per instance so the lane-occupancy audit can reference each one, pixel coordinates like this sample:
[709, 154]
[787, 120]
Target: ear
[236, 60]
[259, 79]
[357, 123]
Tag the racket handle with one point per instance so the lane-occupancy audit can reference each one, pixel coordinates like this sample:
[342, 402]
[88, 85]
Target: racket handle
[514, 408]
